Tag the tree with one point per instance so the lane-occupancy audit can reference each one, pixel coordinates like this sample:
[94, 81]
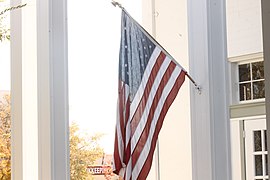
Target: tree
[4, 27]
[83, 152]
[4, 31]
[5, 139]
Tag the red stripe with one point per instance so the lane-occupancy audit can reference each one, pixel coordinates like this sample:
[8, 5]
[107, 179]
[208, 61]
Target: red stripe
[143, 138]
[121, 121]
[127, 148]
[139, 111]
[121, 103]
[148, 163]
[117, 160]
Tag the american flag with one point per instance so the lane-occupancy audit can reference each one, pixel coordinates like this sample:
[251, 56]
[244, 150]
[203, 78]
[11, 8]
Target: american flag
[149, 80]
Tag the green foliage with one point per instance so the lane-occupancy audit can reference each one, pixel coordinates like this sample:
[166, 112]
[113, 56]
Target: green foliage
[4, 30]
[5, 139]
[83, 152]
[4, 27]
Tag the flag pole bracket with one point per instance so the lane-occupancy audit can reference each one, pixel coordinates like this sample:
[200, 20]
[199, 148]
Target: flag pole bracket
[197, 87]
[114, 3]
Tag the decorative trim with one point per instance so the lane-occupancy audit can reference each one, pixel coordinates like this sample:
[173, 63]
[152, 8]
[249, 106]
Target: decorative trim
[246, 57]
[247, 110]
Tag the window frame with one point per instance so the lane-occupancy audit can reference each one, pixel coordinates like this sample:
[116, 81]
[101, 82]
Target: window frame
[234, 76]
[251, 81]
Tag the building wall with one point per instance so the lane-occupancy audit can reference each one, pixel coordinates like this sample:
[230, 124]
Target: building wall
[244, 24]
[244, 39]
[244, 42]
[170, 29]
[266, 45]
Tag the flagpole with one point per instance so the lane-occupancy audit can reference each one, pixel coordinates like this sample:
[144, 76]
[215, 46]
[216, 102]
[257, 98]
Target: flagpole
[154, 35]
[197, 87]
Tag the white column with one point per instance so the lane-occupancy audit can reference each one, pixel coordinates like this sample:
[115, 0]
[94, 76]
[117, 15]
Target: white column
[24, 92]
[39, 91]
[16, 93]
[266, 52]
[209, 110]
[53, 89]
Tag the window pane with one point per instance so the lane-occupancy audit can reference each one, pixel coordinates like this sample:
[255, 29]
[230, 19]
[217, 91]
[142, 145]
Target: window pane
[258, 165]
[258, 90]
[245, 91]
[257, 139]
[244, 72]
[257, 70]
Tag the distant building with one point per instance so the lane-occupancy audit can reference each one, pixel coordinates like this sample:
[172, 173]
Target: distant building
[103, 168]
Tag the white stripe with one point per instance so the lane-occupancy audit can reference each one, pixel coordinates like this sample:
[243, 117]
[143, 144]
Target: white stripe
[143, 156]
[129, 169]
[119, 136]
[128, 123]
[149, 102]
[147, 72]
[119, 130]
[126, 93]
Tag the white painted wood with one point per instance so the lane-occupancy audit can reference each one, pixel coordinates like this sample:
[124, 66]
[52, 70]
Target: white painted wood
[59, 89]
[40, 143]
[266, 51]
[209, 110]
[29, 92]
[53, 90]
[237, 149]
[244, 27]
[16, 93]
[23, 92]
[250, 127]
[44, 92]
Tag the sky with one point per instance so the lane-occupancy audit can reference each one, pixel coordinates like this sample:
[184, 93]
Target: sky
[93, 48]
[94, 41]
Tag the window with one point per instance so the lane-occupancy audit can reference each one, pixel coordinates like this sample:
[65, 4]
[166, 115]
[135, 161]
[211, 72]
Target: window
[251, 81]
